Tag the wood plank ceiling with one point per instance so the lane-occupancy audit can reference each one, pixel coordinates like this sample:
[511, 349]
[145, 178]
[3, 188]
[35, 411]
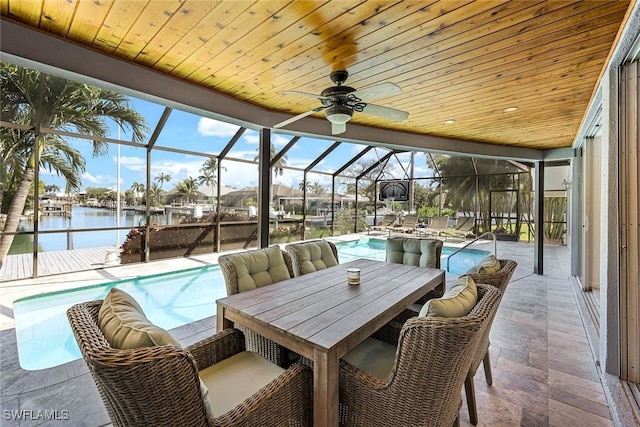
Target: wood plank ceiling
[454, 59]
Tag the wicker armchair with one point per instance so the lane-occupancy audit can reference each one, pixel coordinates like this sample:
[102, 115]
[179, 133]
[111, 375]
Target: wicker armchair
[499, 280]
[160, 385]
[432, 358]
[233, 278]
[312, 255]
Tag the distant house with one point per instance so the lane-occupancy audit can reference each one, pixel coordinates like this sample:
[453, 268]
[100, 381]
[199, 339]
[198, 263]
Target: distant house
[280, 195]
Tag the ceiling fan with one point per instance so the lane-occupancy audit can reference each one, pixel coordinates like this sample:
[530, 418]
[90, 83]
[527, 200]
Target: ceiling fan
[339, 102]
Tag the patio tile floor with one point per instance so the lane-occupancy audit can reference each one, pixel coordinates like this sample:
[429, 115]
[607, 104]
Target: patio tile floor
[543, 369]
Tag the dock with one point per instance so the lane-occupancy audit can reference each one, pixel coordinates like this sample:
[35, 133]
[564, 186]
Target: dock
[54, 262]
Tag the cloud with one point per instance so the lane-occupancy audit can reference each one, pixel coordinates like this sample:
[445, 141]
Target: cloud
[210, 127]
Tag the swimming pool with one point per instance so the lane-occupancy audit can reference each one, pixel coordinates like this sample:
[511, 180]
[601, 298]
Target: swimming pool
[169, 300]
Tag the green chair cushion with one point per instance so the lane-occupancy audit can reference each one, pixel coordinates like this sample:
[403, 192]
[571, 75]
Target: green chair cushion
[315, 256]
[255, 269]
[422, 253]
[488, 264]
[456, 302]
[125, 326]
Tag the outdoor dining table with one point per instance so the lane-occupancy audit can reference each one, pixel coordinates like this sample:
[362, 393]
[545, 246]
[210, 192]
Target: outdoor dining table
[320, 316]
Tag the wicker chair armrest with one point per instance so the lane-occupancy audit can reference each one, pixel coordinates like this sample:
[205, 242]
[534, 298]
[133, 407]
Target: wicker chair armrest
[216, 348]
[287, 400]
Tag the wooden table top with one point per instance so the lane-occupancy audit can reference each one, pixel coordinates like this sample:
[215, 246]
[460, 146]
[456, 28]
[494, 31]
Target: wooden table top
[320, 311]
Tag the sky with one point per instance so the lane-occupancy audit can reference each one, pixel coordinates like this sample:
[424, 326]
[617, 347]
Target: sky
[191, 132]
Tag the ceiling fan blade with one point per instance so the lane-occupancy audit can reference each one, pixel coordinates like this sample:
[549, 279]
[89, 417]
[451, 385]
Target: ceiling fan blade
[308, 95]
[386, 112]
[298, 117]
[378, 91]
[338, 128]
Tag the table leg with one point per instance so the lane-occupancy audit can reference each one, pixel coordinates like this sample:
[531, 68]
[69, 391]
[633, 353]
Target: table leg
[325, 389]
[221, 322]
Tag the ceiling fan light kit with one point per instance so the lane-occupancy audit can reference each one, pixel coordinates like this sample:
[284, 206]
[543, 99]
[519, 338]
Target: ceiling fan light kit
[339, 102]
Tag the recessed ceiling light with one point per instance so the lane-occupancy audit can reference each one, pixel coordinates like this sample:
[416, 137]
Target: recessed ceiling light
[510, 109]
[449, 122]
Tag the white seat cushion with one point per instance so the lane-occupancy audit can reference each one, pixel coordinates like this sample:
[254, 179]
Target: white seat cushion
[374, 357]
[237, 378]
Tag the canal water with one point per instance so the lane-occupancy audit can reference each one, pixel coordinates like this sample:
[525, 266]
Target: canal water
[66, 236]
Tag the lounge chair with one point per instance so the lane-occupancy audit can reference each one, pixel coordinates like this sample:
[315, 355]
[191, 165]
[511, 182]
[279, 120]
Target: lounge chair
[437, 226]
[464, 227]
[386, 223]
[409, 225]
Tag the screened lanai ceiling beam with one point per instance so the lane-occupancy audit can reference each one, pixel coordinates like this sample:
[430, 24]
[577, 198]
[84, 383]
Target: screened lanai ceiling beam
[353, 160]
[384, 159]
[282, 152]
[435, 165]
[156, 132]
[321, 157]
[231, 143]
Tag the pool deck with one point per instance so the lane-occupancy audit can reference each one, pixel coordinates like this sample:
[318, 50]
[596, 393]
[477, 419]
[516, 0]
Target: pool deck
[537, 328]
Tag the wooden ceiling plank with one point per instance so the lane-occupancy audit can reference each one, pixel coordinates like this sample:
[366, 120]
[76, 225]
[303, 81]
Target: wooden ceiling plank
[150, 21]
[314, 79]
[225, 37]
[440, 87]
[177, 27]
[273, 35]
[212, 39]
[512, 95]
[117, 23]
[309, 66]
[289, 44]
[27, 12]
[394, 68]
[88, 20]
[218, 17]
[57, 16]
[518, 83]
[350, 19]
[531, 25]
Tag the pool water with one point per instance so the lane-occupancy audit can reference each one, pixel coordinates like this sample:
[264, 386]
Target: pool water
[169, 300]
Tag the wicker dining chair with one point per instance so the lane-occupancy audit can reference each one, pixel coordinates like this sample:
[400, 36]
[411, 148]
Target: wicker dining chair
[160, 385]
[254, 268]
[312, 255]
[422, 252]
[424, 386]
[499, 280]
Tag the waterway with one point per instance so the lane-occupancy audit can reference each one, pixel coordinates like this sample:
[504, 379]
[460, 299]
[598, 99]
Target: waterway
[66, 235]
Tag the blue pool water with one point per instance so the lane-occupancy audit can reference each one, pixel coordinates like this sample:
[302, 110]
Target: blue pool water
[169, 300]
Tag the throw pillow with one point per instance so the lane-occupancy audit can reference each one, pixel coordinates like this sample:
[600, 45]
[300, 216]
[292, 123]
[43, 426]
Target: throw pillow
[125, 326]
[489, 264]
[456, 302]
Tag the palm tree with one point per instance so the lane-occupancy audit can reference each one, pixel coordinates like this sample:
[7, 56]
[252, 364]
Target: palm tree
[66, 105]
[51, 188]
[162, 178]
[278, 167]
[155, 193]
[188, 188]
[136, 188]
[209, 173]
[317, 189]
[306, 188]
